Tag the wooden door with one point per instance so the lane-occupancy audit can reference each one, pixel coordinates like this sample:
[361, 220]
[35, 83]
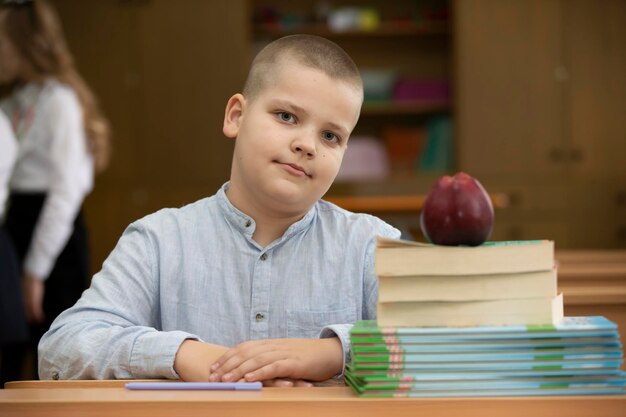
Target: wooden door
[508, 101]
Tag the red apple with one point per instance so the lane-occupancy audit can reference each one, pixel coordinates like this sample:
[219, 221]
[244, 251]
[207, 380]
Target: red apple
[457, 211]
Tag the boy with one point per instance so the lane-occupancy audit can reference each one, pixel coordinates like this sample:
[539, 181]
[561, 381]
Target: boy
[261, 281]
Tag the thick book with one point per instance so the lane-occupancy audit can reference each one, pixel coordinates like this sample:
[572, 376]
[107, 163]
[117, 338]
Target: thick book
[522, 311]
[396, 257]
[467, 287]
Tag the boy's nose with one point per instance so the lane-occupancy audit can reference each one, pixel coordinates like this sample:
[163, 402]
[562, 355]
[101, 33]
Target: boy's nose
[306, 144]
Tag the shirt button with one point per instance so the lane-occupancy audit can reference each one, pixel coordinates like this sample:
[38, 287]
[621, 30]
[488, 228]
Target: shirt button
[264, 256]
[259, 317]
[248, 223]
[55, 376]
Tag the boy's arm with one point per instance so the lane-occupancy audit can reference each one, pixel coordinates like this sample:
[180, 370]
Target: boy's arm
[111, 332]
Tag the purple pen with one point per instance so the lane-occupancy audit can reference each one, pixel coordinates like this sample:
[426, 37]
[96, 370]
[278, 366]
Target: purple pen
[216, 386]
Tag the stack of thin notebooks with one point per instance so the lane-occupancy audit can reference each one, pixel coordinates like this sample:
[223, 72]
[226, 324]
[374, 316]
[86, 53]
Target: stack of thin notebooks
[577, 356]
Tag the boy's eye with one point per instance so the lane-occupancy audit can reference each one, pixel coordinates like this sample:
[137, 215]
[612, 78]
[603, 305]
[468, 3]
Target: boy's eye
[286, 117]
[331, 137]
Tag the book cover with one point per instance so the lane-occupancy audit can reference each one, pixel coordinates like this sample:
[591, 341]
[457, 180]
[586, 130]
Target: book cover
[358, 346]
[395, 257]
[490, 366]
[494, 384]
[467, 287]
[530, 311]
[523, 355]
[444, 375]
[573, 388]
[580, 326]
[416, 376]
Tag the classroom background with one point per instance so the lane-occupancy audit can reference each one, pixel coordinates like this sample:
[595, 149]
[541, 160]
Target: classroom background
[528, 96]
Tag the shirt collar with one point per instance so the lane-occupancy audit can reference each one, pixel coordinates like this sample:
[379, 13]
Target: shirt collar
[246, 225]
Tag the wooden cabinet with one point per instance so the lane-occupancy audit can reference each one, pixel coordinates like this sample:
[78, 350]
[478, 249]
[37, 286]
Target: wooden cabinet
[539, 109]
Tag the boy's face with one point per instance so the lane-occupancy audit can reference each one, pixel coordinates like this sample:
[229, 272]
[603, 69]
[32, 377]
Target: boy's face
[290, 139]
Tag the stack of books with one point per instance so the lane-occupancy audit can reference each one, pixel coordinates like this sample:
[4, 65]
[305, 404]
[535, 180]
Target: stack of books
[478, 321]
[577, 356]
[496, 283]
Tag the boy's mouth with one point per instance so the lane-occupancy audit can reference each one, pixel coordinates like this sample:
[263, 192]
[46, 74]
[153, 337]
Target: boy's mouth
[294, 169]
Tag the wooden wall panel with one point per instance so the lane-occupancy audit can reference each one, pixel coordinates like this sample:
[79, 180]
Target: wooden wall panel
[163, 72]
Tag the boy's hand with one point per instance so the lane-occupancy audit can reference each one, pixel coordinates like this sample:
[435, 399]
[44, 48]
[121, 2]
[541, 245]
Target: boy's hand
[193, 359]
[262, 360]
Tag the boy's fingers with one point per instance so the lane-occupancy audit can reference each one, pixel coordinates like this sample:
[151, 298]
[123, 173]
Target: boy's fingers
[242, 350]
[241, 363]
[231, 371]
[275, 369]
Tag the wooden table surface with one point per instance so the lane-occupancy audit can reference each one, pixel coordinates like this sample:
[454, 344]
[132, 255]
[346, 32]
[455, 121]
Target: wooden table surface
[95, 398]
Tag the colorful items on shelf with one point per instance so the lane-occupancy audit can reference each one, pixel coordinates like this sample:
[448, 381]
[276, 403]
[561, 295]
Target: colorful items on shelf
[383, 85]
[351, 18]
[365, 159]
[404, 145]
[400, 152]
[407, 89]
[378, 84]
[438, 153]
[346, 19]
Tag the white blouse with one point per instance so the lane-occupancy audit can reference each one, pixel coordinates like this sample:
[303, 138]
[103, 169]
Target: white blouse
[8, 152]
[53, 158]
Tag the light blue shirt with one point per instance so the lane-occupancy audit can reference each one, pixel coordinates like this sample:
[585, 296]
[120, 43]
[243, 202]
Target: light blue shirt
[196, 273]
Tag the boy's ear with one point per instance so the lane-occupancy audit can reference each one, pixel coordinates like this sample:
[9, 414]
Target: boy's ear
[233, 114]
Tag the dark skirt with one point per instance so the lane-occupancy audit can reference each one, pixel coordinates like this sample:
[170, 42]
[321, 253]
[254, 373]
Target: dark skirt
[70, 275]
[13, 327]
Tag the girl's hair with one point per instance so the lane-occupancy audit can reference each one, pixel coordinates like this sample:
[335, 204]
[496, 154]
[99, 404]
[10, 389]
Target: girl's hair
[35, 31]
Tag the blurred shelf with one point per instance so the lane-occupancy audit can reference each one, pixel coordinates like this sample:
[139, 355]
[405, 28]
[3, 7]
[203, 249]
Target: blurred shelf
[592, 277]
[386, 29]
[396, 203]
[404, 108]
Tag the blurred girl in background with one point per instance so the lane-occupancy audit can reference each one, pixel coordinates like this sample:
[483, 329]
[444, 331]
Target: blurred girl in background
[62, 140]
[13, 328]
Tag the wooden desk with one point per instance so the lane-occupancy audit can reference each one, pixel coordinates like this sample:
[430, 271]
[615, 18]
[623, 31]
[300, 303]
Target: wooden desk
[93, 398]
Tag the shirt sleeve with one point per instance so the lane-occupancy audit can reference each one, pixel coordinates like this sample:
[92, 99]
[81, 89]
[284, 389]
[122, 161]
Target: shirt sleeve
[71, 178]
[8, 153]
[370, 297]
[111, 332]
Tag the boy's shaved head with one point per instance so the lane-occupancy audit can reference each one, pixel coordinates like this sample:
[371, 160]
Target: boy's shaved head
[307, 50]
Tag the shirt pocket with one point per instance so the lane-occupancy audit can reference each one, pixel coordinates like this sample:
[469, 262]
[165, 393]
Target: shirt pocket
[309, 324]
